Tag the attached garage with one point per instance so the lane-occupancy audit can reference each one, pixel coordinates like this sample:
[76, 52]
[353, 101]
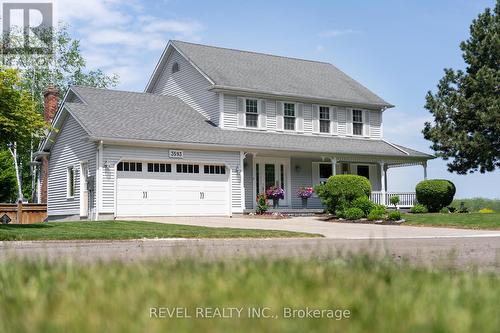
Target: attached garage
[171, 189]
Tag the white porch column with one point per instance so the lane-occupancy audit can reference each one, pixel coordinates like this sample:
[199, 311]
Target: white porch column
[424, 164]
[382, 181]
[334, 166]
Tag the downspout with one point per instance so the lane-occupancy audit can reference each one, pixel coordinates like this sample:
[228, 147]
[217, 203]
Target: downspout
[98, 191]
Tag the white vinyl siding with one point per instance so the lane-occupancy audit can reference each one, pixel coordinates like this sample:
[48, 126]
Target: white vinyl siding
[230, 117]
[271, 115]
[114, 153]
[71, 147]
[189, 85]
[375, 124]
[342, 121]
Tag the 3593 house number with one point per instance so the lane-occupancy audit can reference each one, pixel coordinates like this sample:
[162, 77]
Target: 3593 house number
[176, 154]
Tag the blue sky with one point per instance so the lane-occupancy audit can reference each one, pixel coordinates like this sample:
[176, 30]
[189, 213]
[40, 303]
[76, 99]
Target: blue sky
[398, 49]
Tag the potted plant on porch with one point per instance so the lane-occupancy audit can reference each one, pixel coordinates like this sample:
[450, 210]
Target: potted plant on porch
[305, 193]
[275, 193]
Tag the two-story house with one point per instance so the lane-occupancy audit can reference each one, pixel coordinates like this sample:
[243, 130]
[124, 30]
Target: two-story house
[213, 128]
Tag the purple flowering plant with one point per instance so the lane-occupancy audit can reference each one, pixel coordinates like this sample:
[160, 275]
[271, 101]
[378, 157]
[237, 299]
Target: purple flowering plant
[275, 192]
[305, 192]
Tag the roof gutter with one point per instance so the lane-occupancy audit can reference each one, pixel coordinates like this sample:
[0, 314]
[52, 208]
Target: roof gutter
[313, 99]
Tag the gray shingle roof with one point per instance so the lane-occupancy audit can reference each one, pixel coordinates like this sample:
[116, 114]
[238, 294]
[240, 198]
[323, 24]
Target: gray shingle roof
[278, 75]
[115, 114]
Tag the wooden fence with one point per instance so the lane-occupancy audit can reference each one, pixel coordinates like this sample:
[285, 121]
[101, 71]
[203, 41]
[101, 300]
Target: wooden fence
[26, 213]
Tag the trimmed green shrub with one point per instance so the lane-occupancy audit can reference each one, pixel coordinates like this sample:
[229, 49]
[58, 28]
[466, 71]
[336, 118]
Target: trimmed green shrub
[419, 209]
[363, 203]
[435, 193]
[353, 213]
[340, 213]
[394, 200]
[341, 189]
[377, 213]
[395, 215]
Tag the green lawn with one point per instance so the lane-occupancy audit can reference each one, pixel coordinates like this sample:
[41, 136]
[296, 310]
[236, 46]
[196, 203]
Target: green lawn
[129, 230]
[117, 297]
[469, 221]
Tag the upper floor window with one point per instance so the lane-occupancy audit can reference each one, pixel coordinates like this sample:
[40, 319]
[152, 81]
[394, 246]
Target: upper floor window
[324, 119]
[175, 67]
[251, 113]
[357, 122]
[289, 116]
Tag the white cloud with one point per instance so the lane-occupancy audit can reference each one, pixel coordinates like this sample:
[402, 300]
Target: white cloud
[116, 35]
[338, 32]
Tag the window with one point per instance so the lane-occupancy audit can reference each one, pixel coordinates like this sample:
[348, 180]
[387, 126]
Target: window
[159, 167]
[324, 119]
[188, 168]
[251, 113]
[175, 67]
[289, 116]
[70, 182]
[129, 166]
[214, 169]
[364, 170]
[325, 171]
[357, 122]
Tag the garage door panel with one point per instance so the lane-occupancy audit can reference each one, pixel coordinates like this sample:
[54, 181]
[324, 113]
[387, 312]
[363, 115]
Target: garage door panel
[171, 194]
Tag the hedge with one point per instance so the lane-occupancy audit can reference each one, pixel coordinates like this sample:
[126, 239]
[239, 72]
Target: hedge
[435, 193]
[340, 191]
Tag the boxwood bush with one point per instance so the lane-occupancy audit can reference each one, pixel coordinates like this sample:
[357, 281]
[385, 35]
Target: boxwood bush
[435, 193]
[395, 215]
[353, 213]
[342, 190]
[377, 213]
[418, 209]
[363, 203]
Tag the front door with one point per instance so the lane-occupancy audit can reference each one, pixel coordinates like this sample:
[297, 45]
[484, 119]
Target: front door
[272, 172]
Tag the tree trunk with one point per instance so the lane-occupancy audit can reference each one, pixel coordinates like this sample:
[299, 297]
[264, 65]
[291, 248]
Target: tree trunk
[13, 151]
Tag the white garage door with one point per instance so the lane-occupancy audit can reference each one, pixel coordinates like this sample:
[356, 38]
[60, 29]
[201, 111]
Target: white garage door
[171, 189]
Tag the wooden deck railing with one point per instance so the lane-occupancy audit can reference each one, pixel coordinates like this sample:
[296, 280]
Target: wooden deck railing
[26, 213]
[406, 199]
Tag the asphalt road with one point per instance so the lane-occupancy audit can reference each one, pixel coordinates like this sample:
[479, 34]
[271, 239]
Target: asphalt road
[467, 253]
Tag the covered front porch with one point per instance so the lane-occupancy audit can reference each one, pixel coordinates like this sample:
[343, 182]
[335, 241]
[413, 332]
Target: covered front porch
[294, 170]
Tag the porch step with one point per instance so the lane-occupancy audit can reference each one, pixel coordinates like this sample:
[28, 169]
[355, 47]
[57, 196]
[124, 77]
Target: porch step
[290, 211]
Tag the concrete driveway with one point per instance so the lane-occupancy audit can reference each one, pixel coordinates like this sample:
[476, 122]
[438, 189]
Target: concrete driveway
[333, 230]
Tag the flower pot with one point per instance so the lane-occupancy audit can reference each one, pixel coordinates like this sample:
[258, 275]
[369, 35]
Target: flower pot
[304, 202]
[276, 202]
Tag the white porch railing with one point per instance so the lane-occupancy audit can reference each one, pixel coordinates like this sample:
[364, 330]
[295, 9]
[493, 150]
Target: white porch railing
[406, 199]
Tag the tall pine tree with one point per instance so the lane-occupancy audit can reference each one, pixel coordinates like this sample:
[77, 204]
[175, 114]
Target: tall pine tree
[466, 106]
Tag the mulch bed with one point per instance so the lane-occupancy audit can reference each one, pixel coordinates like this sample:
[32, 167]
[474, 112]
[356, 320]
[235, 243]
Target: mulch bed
[267, 216]
[362, 221]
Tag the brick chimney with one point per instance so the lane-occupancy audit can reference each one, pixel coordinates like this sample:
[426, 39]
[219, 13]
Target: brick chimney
[51, 100]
